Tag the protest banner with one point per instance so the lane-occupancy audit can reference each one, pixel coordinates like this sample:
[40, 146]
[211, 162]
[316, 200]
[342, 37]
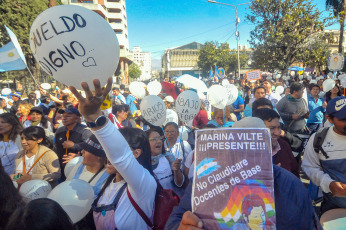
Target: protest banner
[233, 185]
[187, 105]
[153, 110]
[74, 44]
[335, 62]
[253, 75]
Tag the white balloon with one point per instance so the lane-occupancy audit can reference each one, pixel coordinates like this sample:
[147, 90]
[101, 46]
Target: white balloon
[136, 88]
[46, 86]
[301, 77]
[35, 189]
[74, 44]
[328, 85]
[278, 76]
[6, 91]
[171, 116]
[232, 93]
[153, 110]
[187, 105]
[343, 82]
[225, 82]
[292, 73]
[309, 78]
[154, 88]
[279, 90]
[70, 165]
[269, 78]
[305, 74]
[75, 197]
[321, 94]
[184, 132]
[341, 76]
[331, 75]
[217, 96]
[313, 81]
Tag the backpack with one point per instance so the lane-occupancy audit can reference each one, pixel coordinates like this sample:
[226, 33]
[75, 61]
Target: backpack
[165, 201]
[318, 141]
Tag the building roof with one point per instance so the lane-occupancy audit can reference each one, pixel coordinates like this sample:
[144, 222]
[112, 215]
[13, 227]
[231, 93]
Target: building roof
[190, 46]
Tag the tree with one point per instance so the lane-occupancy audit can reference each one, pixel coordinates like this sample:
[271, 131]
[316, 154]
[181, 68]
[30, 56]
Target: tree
[282, 27]
[214, 53]
[339, 13]
[134, 71]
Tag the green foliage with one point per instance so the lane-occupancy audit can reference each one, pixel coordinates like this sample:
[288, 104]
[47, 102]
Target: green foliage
[134, 71]
[214, 53]
[282, 28]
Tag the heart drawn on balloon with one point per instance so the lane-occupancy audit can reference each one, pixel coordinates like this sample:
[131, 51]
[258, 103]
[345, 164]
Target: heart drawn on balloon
[89, 62]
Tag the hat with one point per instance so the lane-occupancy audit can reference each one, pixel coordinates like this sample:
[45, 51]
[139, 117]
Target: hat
[249, 122]
[93, 146]
[71, 110]
[36, 109]
[337, 107]
[169, 99]
[16, 94]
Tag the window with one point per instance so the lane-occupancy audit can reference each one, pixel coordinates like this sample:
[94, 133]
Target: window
[118, 31]
[115, 20]
[114, 10]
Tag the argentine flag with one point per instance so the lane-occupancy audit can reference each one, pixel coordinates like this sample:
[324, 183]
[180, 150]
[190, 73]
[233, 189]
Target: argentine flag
[206, 166]
[217, 72]
[11, 55]
[211, 75]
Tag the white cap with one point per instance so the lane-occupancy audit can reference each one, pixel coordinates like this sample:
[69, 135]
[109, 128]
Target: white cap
[169, 99]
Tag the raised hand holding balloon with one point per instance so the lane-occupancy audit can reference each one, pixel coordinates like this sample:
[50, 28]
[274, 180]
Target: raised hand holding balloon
[65, 42]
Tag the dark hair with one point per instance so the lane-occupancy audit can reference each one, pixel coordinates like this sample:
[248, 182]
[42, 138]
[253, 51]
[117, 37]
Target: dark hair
[122, 86]
[35, 133]
[296, 86]
[313, 86]
[259, 87]
[159, 131]
[14, 121]
[67, 105]
[266, 114]
[10, 199]
[115, 88]
[209, 126]
[40, 214]
[261, 102]
[44, 121]
[171, 124]
[118, 108]
[329, 94]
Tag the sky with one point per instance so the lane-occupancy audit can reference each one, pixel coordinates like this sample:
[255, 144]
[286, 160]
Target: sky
[156, 25]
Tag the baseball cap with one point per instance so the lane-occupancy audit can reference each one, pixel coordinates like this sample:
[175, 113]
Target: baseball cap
[71, 110]
[16, 94]
[337, 107]
[36, 109]
[169, 99]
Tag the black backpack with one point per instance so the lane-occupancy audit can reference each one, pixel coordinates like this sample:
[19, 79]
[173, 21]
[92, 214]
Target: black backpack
[318, 141]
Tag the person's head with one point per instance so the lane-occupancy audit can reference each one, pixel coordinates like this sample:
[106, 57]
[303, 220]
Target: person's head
[16, 96]
[254, 211]
[336, 114]
[218, 115]
[40, 214]
[10, 199]
[115, 91]
[155, 137]
[335, 90]
[92, 152]
[262, 103]
[296, 90]
[3, 103]
[267, 84]
[36, 114]
[33, 136]
[315, 90]
[120, 112]
[10, 126]
[122, 87]
[259, 92]
[168, 101]
[24, 108]
[271, 119]
[287, 91]
[70, 116]
[171, 131]
[45, 100]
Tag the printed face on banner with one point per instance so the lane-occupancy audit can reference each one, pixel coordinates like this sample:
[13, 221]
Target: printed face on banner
[336, 62]
[74, 44]
[233, 183]
[187, 105]
[153, 110]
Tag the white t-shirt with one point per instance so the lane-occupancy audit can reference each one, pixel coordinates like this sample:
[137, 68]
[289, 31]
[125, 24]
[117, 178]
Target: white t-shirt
[177, 150]
[189, 164]
[29, 161]
[164, 173]
[85, 175]
[8, 151]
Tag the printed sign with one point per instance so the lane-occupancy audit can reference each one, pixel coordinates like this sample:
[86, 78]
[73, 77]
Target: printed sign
[336, 62]
[74, 44]
[233, 184]
[253, 75]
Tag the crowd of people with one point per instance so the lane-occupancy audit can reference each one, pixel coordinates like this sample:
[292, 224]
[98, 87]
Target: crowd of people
[121, 151]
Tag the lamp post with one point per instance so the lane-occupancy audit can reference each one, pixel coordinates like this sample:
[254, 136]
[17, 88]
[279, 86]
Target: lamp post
[236, 24]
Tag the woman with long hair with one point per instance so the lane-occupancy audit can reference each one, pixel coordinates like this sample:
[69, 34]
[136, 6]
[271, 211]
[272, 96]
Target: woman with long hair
[10, 145]
[333, 93]
[23, 111]
[37, 118]
[37, 160]
[140, 184]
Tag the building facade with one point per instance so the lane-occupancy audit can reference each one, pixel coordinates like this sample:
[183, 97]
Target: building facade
[143, 59]
[114, 12]
[181, 60]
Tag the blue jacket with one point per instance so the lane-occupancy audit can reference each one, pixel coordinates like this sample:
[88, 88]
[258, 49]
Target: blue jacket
[316, 110]
[130, 101]
[292, 203]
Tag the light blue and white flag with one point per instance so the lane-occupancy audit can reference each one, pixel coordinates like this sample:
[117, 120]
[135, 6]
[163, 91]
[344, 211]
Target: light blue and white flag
[206, 166]
[11, 55]
[217, 72]
[211, 75]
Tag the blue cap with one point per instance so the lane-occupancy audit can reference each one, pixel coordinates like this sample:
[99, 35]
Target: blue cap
[16, 94]
[337, 107]
[71, 110]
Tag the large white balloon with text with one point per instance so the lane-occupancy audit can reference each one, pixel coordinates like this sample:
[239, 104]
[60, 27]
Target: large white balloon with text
[187, 105]
[153, 110]
[74, 44]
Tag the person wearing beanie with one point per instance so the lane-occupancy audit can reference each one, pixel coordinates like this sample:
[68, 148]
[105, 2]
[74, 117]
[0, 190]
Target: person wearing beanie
[16, 97]
[37, 118]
